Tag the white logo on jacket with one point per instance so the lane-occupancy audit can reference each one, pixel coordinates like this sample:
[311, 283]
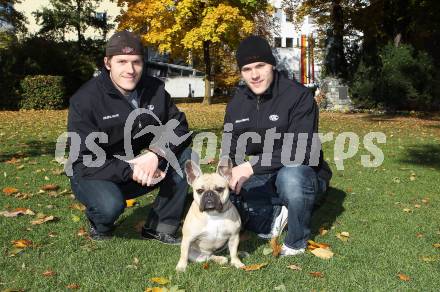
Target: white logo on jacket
[110, 117]
[274, 118]
[150, 107]
[242, 120]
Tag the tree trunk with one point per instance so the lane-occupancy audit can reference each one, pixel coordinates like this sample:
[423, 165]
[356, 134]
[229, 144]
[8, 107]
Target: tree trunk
[207, 59]
[78, 23]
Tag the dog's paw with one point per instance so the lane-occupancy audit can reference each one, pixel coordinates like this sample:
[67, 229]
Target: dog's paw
[219, 259]
[181, 267]
[237, 263]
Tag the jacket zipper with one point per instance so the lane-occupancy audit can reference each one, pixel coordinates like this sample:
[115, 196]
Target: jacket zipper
[258, 108]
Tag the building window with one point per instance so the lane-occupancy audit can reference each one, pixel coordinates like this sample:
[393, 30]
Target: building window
[297, 42]
[289, 42]
[277, 42]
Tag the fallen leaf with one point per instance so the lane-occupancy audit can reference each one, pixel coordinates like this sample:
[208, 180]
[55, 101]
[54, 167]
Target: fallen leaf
[254, 267]
[49, 273]
[419, 235]
[294, 267]
[429, 259]
[267, 251]
[75, 218]
[311, 245]
[323, 253]
[276, 247]
[417, 206]
[345, 234]
[425, 200]
[77, 206]
[15, 251]
[21, 243]
[205, 265]
[403, 277]
[72, 286]
[10, 191]
[50, 187]
[281, 287]
[436, 245]
[131, 203]
[81, 232]
[16, 212]
[407, 210]
[156, 289]
[43, 220]
[159, 280]
[317, 274]
[323, 231]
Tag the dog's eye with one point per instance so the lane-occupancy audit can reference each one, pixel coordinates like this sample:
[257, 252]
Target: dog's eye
[220, 190]
[199, 191]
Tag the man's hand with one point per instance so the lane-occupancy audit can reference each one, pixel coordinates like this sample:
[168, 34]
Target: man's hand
[145, 169]
[240, 174]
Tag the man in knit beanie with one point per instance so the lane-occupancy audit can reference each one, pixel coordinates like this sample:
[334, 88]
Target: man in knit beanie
[280, 172]
[106, 114]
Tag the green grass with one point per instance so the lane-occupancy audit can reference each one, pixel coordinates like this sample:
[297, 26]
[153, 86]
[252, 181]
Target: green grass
[368, 203]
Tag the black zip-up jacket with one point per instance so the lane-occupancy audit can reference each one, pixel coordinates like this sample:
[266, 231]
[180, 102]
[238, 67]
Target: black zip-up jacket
[288, 107]
[99, 107]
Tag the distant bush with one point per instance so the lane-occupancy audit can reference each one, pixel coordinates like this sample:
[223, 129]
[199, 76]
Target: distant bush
[403, 80]
[42, 92]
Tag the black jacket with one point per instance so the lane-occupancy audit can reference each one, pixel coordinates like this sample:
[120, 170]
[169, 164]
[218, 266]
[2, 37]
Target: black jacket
[99, 107]
[287, 107]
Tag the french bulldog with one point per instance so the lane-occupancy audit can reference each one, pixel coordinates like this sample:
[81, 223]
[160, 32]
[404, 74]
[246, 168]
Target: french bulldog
[212, 221]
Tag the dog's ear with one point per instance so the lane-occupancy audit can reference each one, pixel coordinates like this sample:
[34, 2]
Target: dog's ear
[224, 167]
[192, 171]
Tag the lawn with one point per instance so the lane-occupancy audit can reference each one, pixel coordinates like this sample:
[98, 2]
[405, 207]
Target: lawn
[391, 213]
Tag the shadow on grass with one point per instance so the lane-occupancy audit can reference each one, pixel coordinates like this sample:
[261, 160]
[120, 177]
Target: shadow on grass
[390, 116]
[425, 155]
[29, 149]
[329, 208]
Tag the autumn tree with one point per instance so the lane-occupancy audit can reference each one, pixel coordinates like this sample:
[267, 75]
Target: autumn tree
[192, 27]
[69, 16]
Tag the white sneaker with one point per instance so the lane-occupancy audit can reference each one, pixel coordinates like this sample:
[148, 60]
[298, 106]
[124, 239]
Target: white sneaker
[278, 225]
[287, 251]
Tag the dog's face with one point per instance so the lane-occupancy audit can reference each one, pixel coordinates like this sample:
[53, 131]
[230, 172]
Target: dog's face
[210, 191]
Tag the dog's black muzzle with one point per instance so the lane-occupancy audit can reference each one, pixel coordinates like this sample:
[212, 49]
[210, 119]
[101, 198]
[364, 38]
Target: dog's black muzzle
[210, 201]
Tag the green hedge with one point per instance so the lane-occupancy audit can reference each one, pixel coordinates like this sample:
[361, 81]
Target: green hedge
[42, 92]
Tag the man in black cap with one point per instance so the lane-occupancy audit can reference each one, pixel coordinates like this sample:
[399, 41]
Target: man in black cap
[113, 164]
[285, 171]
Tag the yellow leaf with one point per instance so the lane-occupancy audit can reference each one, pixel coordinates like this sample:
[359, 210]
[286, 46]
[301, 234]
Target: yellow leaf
[21, 243]
[323, 253]
[72, 286]
[156, 289]
[254, 267]
[436, 245]
[317, 274]
[159, 280]
[276, 247]
[403, 277]
[311, 245]
[10, 191]
[130, 203]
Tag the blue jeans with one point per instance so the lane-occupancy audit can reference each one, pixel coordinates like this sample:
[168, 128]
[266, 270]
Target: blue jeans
[295, 187]
[105, 200]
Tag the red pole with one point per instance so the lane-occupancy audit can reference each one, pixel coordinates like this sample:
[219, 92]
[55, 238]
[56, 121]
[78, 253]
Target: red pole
[303, 59]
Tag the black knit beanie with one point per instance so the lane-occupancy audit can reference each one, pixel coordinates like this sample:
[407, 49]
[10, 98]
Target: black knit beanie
[124, 43]
[254, 49]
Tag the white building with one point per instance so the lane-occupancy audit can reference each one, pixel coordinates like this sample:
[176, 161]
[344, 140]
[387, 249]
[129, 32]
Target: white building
[289, 41]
